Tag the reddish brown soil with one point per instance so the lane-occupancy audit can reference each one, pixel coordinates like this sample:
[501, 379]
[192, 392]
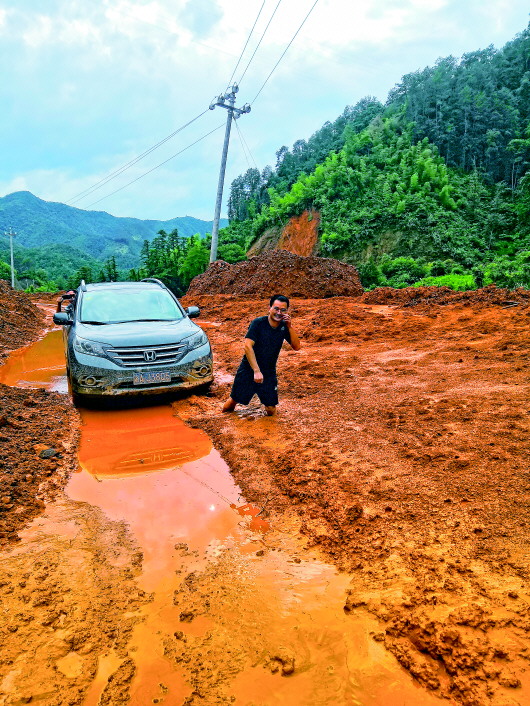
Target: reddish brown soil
[280, 272]
[38, 429]
[37, 433]
[20, 320]
[402, 441]
[300, 235]
[425, 297]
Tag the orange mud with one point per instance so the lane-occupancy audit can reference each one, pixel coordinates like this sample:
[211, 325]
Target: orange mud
[400, 455]
[402, 444]
[153, 581]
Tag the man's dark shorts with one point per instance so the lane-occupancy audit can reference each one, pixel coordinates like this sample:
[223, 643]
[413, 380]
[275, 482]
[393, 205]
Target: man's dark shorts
[244, 388]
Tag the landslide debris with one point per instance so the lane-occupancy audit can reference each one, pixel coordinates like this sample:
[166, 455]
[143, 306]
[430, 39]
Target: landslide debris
[279, 271]
[20, 320]
[37, 435]
[424, 297]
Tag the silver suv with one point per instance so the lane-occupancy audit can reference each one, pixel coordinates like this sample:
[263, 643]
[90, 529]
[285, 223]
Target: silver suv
[124, 338]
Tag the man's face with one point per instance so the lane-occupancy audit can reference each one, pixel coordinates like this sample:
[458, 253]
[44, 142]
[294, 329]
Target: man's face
[277, 310]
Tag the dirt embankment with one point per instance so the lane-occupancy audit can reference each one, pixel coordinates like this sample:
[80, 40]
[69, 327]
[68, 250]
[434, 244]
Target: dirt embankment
[38, 429]
[299, 236]
[279, 272]
[402, 443]
[20, 320]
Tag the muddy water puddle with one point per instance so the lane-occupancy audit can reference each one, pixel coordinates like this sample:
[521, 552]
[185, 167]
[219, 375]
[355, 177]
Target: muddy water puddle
[237, 610]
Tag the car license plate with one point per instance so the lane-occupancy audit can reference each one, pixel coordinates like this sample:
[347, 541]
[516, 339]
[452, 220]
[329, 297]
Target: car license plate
[151, 377]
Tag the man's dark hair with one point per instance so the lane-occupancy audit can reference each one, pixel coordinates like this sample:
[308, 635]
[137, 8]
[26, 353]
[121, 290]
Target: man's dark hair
[279, 298]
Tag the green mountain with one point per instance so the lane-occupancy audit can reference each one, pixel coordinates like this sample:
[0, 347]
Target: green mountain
[432, 187]
[97, 234]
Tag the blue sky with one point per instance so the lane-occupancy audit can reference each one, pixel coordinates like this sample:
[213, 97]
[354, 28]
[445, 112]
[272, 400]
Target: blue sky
[88, 85]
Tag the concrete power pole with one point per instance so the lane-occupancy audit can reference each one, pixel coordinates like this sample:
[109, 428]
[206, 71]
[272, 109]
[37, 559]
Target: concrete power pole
[11, 235]
[224, 101]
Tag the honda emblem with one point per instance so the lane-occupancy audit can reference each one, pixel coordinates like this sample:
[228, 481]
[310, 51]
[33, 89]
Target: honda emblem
[149, 356]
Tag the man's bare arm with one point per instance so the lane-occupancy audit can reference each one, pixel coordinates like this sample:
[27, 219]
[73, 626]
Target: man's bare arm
[251, 357]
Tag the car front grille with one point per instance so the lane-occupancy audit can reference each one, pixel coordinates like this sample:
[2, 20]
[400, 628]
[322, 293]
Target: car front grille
[142, 356]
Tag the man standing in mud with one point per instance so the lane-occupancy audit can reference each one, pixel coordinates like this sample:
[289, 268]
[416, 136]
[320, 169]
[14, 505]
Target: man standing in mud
[263, 342]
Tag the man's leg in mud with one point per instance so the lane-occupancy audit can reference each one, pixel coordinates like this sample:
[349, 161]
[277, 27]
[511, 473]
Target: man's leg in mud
[229, 405]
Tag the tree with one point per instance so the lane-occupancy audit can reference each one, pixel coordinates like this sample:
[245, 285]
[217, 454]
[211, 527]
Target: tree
[5, 271]
[195, 260]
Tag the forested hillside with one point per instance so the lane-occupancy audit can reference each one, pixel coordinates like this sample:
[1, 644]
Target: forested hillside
[433, 187]
[54, 240]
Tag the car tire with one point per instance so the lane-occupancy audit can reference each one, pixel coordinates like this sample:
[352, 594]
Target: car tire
[204, 388]
[78, 400]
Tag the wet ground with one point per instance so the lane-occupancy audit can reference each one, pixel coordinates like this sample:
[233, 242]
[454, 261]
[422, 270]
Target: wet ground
[151, 579]
[402, 447]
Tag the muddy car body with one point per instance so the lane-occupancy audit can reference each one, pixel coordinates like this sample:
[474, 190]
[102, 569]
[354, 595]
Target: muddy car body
[131, 338]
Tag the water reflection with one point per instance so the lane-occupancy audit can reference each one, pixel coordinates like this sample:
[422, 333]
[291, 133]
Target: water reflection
[120, 443]
[40, 364]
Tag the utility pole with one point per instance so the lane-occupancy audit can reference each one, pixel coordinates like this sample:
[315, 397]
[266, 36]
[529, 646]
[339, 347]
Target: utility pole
[11, 235]
[227, 101]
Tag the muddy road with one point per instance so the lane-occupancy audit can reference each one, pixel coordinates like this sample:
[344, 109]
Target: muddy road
[369, 545]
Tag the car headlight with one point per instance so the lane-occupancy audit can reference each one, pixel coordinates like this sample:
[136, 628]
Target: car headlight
[81, 345]
[198, 339]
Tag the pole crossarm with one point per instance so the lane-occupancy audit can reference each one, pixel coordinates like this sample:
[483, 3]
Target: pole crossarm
[226, 100]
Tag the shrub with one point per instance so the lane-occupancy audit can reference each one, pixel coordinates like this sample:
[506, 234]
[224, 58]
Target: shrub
[458, 282]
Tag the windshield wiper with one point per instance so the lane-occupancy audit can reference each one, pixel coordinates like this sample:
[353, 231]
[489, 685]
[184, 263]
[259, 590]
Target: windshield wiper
[95, 323]
[133, 321]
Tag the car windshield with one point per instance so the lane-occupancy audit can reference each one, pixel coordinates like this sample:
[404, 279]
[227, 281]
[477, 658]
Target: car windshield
[108, 306]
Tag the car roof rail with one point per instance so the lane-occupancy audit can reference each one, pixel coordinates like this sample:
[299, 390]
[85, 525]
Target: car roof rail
[82, 286]
[155, 280]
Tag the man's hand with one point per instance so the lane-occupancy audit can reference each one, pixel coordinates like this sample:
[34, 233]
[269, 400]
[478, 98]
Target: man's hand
[258, 376]
[287, 320]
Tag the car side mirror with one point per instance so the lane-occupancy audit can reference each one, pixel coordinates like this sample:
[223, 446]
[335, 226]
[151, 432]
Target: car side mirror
[61, 318]
[193, 312]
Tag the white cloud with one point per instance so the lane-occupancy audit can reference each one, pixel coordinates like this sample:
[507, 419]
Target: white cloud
[96, 83]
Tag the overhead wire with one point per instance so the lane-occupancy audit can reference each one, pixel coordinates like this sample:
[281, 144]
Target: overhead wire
[284, 51]
[86, 192]
[259, 43]
[246, 43]
[245, 146]
[157, 166]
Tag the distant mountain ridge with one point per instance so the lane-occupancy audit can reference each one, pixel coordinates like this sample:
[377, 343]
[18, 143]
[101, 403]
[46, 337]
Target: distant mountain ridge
[97, 233]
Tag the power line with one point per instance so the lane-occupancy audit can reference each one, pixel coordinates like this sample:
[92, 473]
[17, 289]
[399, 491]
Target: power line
[246, 43]
[285, 51]
[261, 39]
[157, 166]
[86, 192]
[245, 145]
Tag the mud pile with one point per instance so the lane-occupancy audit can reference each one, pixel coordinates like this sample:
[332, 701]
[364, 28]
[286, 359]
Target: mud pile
[414, 296]
[283, 272]
[20, 320]
[37, 433]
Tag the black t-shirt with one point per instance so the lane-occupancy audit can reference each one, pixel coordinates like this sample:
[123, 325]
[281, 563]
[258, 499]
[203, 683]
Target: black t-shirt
[267, 343]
